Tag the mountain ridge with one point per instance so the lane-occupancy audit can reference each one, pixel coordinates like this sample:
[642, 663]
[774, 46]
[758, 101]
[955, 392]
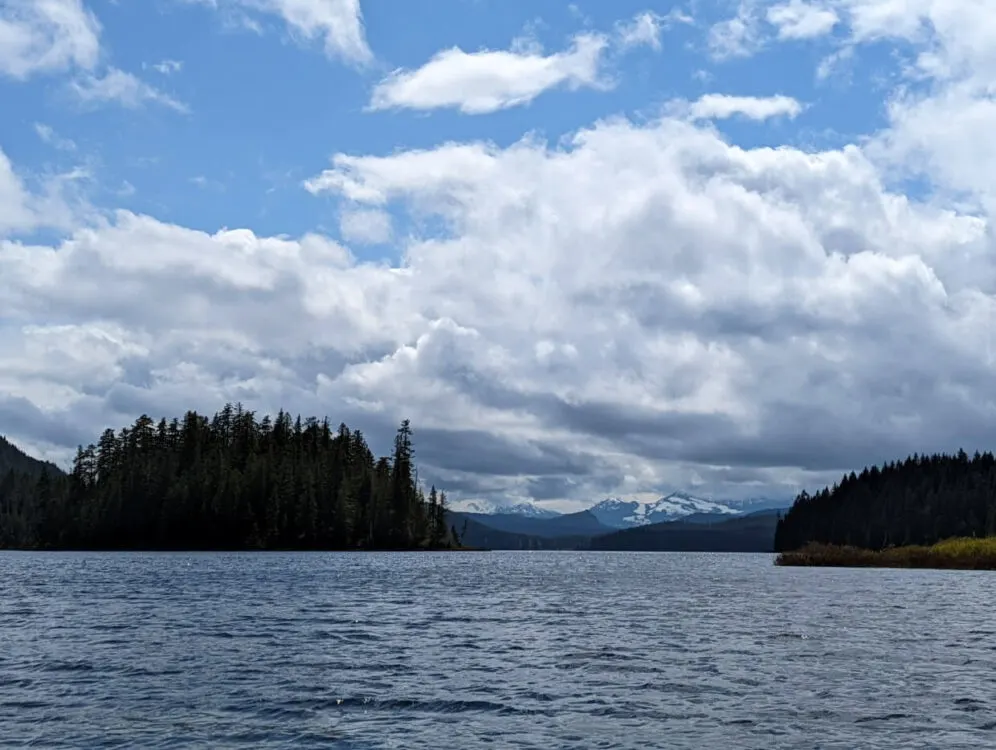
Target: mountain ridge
[631, 512]
[488, 508]
[13, 458]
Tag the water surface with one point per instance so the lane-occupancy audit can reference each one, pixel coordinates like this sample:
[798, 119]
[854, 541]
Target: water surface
[492, 650]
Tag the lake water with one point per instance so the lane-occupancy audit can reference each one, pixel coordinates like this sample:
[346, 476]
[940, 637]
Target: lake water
[491, 650]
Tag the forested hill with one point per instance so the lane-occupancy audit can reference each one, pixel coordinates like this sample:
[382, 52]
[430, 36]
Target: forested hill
[917, 501]
[229, 482]
[13, 458]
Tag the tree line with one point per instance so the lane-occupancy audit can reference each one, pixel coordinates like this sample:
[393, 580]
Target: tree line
[227, 482]
[920, 500]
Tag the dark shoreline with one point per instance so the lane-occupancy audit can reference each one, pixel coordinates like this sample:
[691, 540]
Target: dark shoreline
[948, 554]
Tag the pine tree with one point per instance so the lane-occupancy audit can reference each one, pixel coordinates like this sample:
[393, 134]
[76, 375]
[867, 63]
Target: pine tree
[225, 482]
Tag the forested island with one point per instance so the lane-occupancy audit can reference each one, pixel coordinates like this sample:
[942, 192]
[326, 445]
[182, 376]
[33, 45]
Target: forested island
[223, 483]
[925, 511]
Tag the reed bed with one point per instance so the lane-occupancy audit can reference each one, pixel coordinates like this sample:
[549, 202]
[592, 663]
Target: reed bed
[949, 554]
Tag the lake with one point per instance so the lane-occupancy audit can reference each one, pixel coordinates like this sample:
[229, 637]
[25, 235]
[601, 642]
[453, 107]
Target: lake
[489, 650]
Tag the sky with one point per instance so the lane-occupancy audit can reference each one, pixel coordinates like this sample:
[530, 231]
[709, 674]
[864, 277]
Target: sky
[590, 249]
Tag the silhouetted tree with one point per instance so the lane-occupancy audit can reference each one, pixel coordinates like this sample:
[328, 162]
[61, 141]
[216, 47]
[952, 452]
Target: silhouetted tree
[917, 501]
[228, 482]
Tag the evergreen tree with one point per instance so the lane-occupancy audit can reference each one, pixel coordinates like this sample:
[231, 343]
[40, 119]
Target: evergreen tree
[228, 482]
[921, 500]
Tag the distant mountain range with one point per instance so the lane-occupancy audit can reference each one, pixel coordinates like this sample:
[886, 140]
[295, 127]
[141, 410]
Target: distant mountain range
[483, 507]
[625, 513]
[753, 532]
[677, 521]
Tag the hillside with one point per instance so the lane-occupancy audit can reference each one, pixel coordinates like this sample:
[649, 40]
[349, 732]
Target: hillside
[751, 533]
[551, 527]
[473, 533]
[919, 501]
[13, 458]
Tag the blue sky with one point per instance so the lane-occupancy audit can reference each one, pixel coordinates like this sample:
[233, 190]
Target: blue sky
[268, 107]
[590, 249]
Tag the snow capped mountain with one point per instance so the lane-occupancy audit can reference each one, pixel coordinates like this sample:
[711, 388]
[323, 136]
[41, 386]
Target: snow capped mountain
[622, 514]
[527, 510]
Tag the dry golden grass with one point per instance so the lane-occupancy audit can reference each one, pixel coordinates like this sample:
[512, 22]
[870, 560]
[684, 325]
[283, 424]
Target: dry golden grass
[953, 554]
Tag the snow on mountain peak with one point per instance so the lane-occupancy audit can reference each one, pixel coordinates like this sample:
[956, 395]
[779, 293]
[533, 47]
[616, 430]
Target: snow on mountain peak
[488, 508]
[620, 513]
[527, 509]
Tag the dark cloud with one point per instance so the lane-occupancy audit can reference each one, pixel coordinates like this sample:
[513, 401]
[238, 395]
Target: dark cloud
[486, 453]
[19, 418]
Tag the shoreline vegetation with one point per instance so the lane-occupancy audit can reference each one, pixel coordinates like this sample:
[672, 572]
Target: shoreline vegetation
[227, 483]
[949, 554]
[927, 511]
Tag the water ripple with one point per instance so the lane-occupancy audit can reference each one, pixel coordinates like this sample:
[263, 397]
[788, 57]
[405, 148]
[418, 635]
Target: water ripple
[553, 651]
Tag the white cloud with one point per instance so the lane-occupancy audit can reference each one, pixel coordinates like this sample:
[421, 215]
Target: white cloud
[490, 80]
[641, 306]
[14, 211]
[645, 28]
[49, 136]
[723, 106]
[738, 36]
[45, 36]
[117, 86]
[53, 205]
[942, 130]
[168, 67]
[833, 64]
[337, 24]
[638, 307]
[801, 20]
[206, 183]
[366, 226]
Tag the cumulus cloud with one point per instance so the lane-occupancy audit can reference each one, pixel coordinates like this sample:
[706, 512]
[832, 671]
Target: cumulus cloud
[941, 131]
[639, 306]
[117, 86]
[45, 36]
[724, 106]
[52, 205]
[801, 20]
[366, 226]
[14, 210]
[489, 80]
